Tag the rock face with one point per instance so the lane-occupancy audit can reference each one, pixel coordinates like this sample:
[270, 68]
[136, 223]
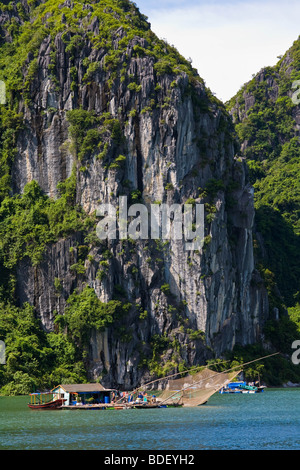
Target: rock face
[179, 146]
[266, 113]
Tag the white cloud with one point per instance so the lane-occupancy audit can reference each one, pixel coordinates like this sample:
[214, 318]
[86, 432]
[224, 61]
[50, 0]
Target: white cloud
[228, 41]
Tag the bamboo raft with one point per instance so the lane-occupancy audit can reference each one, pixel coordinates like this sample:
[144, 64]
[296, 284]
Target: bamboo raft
[112, 406]
[99, 406]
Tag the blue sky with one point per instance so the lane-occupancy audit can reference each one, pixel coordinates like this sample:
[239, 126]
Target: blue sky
[227, 40]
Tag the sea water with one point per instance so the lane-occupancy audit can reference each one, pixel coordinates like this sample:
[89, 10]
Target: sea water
[268, 420]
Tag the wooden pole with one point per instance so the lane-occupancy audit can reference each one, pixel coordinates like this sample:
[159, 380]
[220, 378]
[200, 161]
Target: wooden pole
[173, 375]
[228, 370]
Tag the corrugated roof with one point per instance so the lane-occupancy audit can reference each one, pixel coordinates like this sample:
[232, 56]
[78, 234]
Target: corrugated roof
[82, 388]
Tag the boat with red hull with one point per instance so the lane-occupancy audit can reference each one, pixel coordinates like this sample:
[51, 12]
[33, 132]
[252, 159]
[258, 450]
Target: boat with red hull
[46, 406]
[45, 401]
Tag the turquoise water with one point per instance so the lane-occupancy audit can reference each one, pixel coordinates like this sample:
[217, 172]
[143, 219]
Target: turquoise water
[269, 420]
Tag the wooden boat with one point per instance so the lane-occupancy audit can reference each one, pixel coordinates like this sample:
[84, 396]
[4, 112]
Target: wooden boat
[46, 406]
[171, 405]
[45, 401]
[144, 406]
[147, 406]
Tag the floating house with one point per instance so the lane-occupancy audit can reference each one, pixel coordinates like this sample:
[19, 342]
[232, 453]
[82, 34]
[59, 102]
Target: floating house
[81, 394]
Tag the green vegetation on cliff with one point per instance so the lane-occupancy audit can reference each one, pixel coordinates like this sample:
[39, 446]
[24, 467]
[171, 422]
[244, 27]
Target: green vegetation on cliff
[267, 124]
[115, 17]
[34, 359]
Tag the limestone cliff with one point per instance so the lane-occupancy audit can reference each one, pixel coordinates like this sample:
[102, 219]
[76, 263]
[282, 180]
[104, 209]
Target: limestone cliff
[140, 100]
[266, 113]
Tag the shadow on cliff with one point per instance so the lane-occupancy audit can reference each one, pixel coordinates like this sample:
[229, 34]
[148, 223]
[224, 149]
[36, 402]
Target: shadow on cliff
[278, 254]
